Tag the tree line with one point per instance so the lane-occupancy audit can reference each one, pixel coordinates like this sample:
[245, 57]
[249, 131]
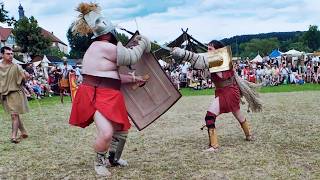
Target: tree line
[264, 43]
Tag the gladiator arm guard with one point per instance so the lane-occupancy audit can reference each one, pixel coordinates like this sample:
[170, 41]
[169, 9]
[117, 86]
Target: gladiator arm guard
[130, 56]
[197, 61]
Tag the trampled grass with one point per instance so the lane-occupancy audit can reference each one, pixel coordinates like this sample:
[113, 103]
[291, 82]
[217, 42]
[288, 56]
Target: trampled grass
[287, 145]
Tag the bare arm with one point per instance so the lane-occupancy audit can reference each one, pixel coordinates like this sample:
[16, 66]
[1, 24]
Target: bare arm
[126, 78]
[131, 78]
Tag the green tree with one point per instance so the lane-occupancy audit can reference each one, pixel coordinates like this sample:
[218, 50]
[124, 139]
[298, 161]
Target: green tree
[261, 46]
[55, 51]
[78, 44]
[311, 37]
[29, 38]
[154, 46]
[4, 16]
[122, 38]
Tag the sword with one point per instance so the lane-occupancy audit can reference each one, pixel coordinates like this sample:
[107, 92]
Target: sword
[161, 46]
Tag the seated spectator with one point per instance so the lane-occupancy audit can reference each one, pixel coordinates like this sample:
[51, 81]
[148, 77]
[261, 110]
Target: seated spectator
[36, 89]
[309, 74]
[252, 77]
[299, 80]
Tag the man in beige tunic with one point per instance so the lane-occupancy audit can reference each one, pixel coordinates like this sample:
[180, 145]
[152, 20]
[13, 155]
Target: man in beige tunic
[12, 97]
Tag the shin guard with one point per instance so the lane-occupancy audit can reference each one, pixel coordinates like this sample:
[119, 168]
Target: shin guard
[116, 148]
[246, 129]
[213, 138]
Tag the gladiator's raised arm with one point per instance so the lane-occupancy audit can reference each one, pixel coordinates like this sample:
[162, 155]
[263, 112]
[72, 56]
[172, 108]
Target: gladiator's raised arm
[197, 61]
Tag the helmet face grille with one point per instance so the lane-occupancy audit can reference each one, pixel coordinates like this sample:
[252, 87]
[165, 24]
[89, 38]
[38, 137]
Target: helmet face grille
[99, 24]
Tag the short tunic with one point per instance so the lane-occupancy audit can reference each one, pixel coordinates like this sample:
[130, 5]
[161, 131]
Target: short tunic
[12, 96]
[229, 96]
[109, 102]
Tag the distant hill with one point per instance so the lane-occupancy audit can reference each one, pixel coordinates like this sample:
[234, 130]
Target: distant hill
[282, 36]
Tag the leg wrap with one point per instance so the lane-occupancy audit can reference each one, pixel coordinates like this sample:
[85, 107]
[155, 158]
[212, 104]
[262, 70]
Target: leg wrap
[117, 145]
[210, 119]
[212, 132]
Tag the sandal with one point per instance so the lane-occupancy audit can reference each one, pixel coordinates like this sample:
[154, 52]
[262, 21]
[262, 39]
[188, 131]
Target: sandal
[14, 140]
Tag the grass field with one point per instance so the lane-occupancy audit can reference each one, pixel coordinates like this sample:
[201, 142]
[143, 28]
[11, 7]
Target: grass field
[273, 89]
[287, 145]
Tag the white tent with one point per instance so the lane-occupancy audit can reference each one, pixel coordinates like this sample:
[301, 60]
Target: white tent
[45, 59]
[258, 58]
[293, 52]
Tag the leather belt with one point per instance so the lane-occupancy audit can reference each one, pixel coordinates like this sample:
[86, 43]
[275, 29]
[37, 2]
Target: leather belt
[225, 83]
[101, 82]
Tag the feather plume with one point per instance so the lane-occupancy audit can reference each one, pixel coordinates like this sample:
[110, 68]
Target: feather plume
[80, 26]
[85, 8]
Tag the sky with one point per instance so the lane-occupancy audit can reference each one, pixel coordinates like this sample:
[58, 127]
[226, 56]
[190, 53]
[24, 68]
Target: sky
[162, 20]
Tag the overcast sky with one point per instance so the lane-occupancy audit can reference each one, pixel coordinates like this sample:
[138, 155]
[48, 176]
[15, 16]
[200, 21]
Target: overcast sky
[162, 20]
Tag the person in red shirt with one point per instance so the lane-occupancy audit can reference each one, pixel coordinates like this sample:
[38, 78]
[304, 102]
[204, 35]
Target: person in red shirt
[227, 94]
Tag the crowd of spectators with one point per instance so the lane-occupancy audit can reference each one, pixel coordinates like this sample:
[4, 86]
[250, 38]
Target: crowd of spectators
[44, 81]
[269, 72]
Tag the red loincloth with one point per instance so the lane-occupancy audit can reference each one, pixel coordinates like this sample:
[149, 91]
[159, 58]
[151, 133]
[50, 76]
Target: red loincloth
[109, 102]
[229, 96]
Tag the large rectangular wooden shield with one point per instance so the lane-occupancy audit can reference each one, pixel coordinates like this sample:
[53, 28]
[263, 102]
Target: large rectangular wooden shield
[147, 103]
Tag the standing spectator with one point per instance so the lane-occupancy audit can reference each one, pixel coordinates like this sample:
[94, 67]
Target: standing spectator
[175, 78]
[12, 96]
[309, 73]
[29, 69]
[259, 74]
[184, 70]
[317, 75]
[64, 81]
[189, 77]
[246, 72]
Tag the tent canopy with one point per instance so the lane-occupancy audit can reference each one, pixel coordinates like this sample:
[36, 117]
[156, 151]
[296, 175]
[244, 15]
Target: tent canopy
[258, 58]
[186, 40]
[45, 59]
[293, 52]
[275, 53]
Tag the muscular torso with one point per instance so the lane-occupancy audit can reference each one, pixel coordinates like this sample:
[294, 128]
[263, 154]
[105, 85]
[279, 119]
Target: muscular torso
[100, 60]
